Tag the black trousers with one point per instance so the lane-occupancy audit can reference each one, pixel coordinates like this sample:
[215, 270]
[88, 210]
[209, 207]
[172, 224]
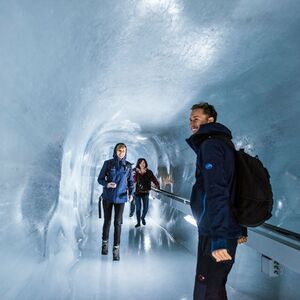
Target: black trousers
[211, 276]
[107, 209]
[132, 207]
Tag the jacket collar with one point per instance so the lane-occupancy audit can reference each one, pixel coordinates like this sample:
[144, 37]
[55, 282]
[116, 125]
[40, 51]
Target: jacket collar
[206, 130]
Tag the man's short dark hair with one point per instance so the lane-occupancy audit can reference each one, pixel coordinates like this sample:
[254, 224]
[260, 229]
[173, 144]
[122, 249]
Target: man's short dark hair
[208, 109]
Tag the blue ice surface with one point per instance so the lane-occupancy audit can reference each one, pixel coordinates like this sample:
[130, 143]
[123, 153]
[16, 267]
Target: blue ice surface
[76, 78]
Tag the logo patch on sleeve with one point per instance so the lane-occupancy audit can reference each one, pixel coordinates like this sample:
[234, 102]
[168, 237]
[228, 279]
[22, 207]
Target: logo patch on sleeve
[208, 166]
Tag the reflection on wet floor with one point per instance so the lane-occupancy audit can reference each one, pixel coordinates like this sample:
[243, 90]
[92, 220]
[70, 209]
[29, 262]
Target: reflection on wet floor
[152, 265]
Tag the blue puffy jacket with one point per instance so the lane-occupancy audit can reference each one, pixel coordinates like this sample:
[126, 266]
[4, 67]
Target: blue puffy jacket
[214, 187]
[120, 172]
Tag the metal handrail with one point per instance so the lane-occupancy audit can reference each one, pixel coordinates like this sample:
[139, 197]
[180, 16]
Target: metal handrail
[171, 195]
[285, 232]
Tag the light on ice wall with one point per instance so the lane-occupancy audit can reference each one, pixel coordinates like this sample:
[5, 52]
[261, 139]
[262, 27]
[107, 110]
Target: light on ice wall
[76, 78]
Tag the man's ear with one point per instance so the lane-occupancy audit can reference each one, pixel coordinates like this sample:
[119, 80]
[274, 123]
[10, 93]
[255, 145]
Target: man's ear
[211, 119]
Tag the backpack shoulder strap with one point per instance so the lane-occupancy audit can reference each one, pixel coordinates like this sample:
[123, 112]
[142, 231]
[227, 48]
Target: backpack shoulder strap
[225, 139]
[230, 144]
[219, 137]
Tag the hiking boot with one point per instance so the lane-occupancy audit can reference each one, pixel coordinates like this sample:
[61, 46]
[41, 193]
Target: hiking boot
[116, 253]
[137, 225]
[104, 250]
[143, 221]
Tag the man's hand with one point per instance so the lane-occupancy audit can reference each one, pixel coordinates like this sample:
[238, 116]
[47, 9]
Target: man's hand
[242, 239]
[111, 185]
[130, 198]
[221, 255]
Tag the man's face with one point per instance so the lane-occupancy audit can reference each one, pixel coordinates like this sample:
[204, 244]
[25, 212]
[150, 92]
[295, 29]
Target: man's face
[121, 152]
[198, 118]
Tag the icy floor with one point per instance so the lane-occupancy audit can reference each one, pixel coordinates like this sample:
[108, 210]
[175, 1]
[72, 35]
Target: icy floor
[152, 266]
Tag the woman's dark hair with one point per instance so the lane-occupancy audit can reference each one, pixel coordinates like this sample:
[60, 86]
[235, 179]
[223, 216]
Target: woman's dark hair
[208, 109]
[139, 161]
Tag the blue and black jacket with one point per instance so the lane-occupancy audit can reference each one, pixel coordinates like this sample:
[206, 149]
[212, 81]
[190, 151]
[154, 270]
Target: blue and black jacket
[118, 171]
[213, 190]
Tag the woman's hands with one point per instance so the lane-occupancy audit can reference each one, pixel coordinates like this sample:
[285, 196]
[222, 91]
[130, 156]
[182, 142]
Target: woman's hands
[242, 239]
[111, 185]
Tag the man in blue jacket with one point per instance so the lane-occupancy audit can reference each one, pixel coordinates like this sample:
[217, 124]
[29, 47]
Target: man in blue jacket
[116, 179]
[210, 202]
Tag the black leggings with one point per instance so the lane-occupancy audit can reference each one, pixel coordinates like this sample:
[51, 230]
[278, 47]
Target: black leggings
[107, 208]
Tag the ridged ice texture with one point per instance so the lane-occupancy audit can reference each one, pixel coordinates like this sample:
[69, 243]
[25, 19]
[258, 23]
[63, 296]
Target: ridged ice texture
[76, 77]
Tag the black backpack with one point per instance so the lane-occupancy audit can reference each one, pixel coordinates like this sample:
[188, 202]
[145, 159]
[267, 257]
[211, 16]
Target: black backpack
[253, 201]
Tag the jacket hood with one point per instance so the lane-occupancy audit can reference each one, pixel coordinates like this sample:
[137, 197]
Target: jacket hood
[115, 156]
[205, 131]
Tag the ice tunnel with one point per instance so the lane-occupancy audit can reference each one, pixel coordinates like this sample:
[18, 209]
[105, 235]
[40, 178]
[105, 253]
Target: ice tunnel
[76, 77]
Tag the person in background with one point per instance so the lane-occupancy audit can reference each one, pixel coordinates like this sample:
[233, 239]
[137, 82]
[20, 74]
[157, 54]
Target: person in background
[117, 181]
[142, 179]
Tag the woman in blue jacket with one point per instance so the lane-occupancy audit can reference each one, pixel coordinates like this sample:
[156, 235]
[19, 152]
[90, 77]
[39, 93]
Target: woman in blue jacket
[116, 179]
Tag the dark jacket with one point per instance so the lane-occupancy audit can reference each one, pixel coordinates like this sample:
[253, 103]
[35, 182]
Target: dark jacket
[214, 187]
[120, 172]
[143, 181]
